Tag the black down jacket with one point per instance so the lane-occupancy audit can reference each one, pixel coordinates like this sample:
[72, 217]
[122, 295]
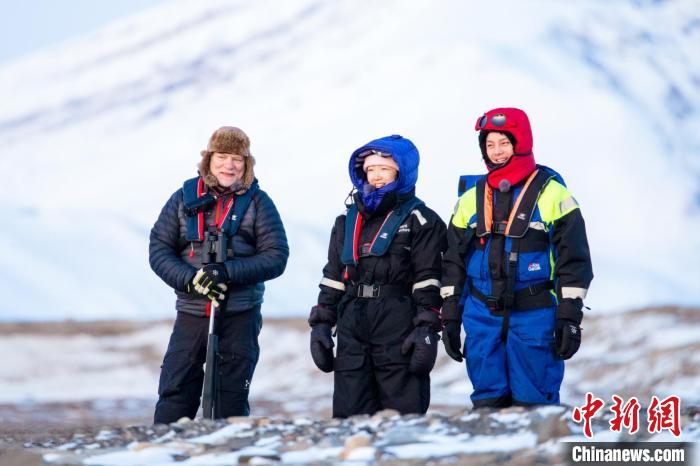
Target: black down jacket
[258, 252]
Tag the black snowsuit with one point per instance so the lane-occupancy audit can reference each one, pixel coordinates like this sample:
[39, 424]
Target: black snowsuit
[256, 253]
[370, 372]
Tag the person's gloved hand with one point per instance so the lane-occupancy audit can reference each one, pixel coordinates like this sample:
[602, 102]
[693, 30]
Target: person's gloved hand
[567, 338]
[451, 337]
[210, 281]
[208, 276]
[423, 340]
[321, 346]
[567, 328]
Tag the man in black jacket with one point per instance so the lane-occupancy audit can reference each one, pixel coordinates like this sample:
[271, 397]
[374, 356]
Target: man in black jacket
[224, 203]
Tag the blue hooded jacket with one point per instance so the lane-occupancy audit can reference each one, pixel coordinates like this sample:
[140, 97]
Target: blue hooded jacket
[407, 158]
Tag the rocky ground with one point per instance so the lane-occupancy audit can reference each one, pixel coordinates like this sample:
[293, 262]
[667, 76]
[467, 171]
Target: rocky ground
[84, 394]
[513, 436]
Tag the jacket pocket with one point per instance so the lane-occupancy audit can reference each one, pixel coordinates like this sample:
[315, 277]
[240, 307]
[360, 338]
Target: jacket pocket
[391, 356]
[236, 371]
[178, 368]
[536, 363]
[348, 363]
[534, 266]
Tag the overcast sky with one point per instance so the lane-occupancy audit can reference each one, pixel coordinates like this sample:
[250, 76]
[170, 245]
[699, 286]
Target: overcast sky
[30, 25]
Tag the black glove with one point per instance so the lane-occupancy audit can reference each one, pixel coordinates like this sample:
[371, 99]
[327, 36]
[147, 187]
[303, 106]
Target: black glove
[211, 282]
[322, 346]
[451, 337]
[424, 342]
[567, 338]
[210, 275]
[217, 272]
[567, 328]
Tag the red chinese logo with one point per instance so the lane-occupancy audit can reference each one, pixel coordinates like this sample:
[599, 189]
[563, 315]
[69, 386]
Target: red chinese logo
[661, 415]
[665, 414]
[626, 416]
[587, 411]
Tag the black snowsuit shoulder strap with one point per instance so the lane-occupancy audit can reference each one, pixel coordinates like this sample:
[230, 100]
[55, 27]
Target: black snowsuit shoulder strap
[383, 238]
[520, 214]
[524, 207]
[484, 211]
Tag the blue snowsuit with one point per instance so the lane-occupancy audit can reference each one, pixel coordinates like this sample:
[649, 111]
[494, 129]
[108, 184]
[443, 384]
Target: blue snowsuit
[505, 286]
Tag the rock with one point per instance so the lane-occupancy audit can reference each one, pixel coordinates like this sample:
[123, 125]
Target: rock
[385, 414]
[238, 420]
[512, 409]
[297, 446]
[551, 427]
[359, 440]
[512, 437]
[259, 459]
[138, 446]
[20, 458]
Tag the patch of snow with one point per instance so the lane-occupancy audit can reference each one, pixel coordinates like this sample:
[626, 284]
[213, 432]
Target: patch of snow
[310, 455]
[445, 446]
[270, 442]
[222, 435]
[362, 454]
[157, 455]
[514, 419]
[546, 411]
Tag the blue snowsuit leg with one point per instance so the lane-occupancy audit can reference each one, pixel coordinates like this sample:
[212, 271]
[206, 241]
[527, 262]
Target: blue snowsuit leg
[523, 370]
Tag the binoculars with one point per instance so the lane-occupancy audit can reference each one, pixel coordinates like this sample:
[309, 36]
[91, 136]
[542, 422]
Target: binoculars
[214, 247]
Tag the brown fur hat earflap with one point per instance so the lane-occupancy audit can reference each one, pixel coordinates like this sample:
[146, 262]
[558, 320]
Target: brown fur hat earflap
[227, 140]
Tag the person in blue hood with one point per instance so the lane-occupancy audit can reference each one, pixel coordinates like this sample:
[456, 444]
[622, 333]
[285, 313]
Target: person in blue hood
[381, 287]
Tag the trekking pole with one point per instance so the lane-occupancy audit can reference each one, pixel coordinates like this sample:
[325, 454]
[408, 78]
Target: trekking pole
[214, 251]
[210, 368]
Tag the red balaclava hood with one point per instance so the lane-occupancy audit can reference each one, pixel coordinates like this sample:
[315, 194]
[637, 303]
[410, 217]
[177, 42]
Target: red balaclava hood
[511, 121]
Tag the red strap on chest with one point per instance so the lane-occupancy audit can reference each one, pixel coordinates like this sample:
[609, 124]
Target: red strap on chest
[200, 215]
[358, 230]
[356, 237]
[222, 214]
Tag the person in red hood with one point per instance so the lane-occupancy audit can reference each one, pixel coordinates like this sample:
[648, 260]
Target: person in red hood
[516, 271]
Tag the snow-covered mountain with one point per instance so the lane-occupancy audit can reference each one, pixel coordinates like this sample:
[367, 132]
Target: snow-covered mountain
[96, 133]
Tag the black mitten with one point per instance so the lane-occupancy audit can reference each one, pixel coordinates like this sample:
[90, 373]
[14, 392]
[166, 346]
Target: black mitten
[567, 328]
[321, 346]
[452, 338]
[423, 340]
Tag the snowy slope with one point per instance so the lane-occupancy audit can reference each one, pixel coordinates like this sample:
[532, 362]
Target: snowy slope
[97, 133]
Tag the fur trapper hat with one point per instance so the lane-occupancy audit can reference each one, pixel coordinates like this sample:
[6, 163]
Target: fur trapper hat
[227, 140]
